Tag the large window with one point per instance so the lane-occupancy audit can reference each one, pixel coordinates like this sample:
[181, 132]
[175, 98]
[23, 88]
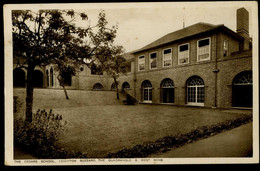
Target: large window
[153, 60]
[167, 57]
[141, 63]
[195, 91]
[183, 54]
[147, 91]
[203, 49]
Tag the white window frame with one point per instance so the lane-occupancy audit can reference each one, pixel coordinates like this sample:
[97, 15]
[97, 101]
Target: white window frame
[196, 103]
[150, 61]
[149, 89]
[188, 53]
[209, 50]
[224, 47]
[163, 57]
[140, 63]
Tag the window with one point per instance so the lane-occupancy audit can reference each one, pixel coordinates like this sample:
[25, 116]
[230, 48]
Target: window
[195, 91]
[203, 49]
[167, 57]
[125, 86]
[183, 54]
[225, 48]
[147, 91]
[128, 67]
[141, 63]
[153, 60]
[97, 86]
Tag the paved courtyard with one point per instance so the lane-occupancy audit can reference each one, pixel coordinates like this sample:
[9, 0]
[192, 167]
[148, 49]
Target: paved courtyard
[103, 127]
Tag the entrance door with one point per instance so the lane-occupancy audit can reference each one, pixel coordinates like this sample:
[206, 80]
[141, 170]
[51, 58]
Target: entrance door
[242, 90]
[167, 87]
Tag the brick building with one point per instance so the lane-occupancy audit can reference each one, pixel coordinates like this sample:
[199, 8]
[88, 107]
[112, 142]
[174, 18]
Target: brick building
[200, 65]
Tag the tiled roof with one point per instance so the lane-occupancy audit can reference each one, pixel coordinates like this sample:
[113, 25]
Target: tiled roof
[183, 33]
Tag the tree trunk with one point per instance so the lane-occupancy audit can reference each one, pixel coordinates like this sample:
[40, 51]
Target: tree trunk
[65, 91]
[29, 94]
[117, 93]
[62, 85]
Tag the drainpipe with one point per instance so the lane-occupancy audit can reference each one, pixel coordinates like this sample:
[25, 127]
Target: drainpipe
[216, 70]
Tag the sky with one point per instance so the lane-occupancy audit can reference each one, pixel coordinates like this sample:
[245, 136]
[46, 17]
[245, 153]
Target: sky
[142, 23]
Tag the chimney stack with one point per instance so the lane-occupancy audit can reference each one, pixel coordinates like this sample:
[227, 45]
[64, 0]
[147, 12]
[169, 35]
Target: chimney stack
[243, 26]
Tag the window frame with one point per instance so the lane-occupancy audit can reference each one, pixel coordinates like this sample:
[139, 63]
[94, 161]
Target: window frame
[150, 60]
[163, 57]
[188, 53]
[209, 58]
[139, 62]
[224, 47]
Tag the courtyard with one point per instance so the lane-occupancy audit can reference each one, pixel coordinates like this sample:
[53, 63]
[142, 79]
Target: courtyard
[99, 124]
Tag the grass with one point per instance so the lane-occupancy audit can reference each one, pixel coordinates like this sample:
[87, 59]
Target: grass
[100, 125]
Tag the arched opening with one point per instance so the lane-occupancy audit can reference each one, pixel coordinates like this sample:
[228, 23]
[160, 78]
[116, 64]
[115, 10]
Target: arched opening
[113, 86]
[47, 77]
[18, 78]
[98, 86]
[167, 91]
[51, 77]
[66, 78]
[125, 86]
[195, 91]
[37, 78]
[242, 90]
[146, 91]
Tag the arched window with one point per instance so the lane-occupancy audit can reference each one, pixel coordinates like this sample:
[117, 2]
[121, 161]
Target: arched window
[51, 77]
[18, 78]
[125, 86]
[113, 86]
[242, 90]
[37, 78]
[48, 79]
[195, 91]
[167, 91]
[97, 86]
[147, 91]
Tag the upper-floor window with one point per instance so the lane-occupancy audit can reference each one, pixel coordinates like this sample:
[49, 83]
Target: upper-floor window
[141, 63]
[153, 60]
[183, 54]
[225, 48]
[203, 49]
[167, 57]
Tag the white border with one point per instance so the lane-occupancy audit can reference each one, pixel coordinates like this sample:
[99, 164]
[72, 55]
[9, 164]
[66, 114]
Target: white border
[9, 91]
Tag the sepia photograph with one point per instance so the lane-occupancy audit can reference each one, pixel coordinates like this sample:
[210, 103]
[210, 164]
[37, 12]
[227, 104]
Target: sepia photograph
[131, 83]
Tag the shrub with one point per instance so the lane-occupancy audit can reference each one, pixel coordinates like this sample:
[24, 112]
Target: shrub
[166, 143]
[40, 137]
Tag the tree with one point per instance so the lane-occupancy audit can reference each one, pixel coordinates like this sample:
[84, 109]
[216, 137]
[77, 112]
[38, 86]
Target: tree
[114, 64]
[48, 36]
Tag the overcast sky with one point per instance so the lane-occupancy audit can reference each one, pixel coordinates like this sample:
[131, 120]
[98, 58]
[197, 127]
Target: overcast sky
[142, 23]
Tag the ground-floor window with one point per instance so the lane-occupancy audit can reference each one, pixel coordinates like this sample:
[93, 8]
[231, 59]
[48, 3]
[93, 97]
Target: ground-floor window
[125, 86]
[51, 78]
[113, 86]
[147, 91]
[242, 90]
[97, 86]
[167, 91]
[195, 91]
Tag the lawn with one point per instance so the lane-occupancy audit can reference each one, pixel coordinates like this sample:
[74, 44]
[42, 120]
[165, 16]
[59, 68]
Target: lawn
[99, 124]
